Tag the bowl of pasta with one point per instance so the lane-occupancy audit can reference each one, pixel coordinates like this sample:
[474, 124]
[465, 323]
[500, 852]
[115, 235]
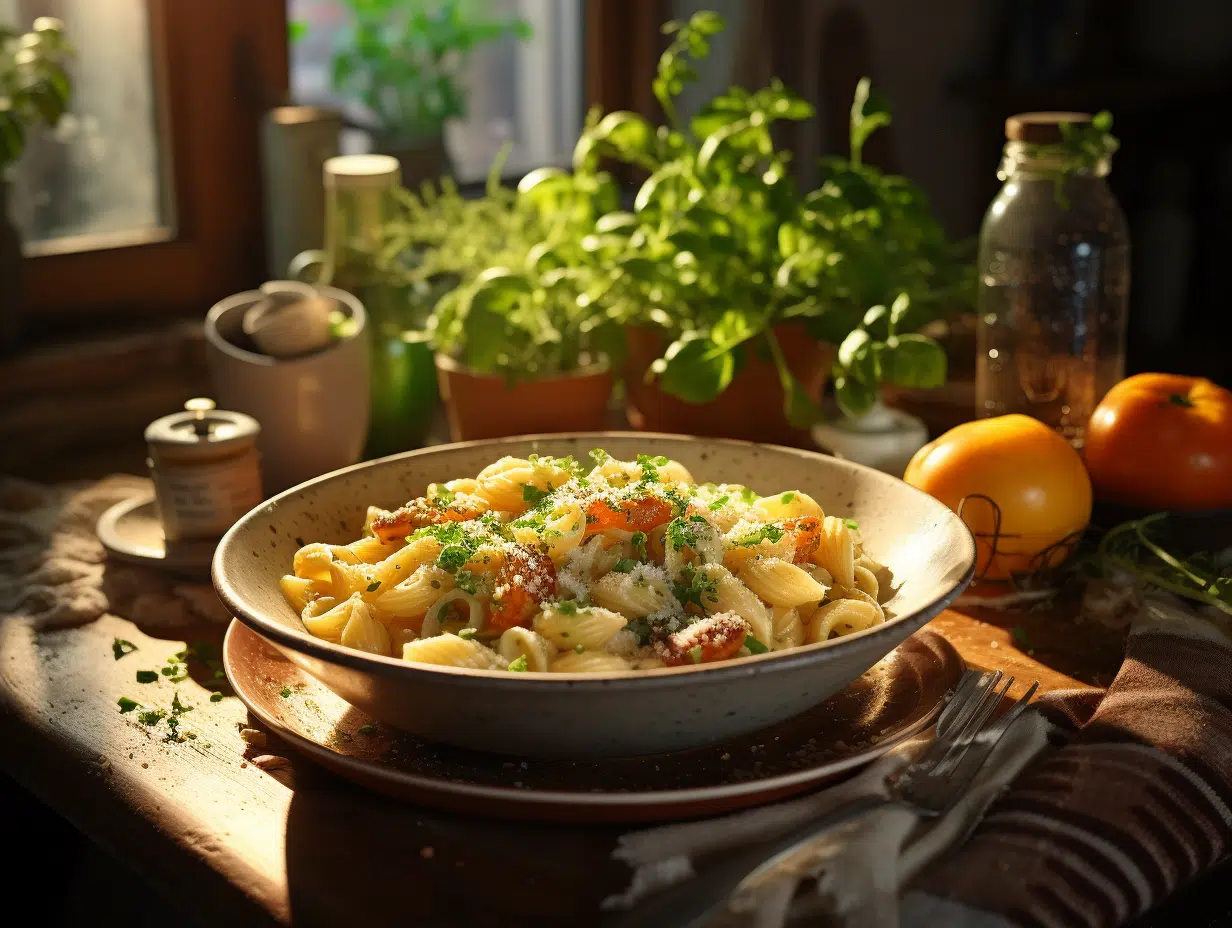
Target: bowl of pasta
[596, 594]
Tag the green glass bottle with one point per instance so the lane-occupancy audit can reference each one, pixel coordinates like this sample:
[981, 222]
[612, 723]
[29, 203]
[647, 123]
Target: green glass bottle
[358, 206]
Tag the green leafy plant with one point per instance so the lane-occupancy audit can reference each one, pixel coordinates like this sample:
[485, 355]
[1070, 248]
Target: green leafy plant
[1082, 148]
[720, 247]
[34, 86]
[403, 59]
[1140, 548]
[507, 272]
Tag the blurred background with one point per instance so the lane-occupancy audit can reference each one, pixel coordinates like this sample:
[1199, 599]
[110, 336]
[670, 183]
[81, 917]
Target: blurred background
[142, 208]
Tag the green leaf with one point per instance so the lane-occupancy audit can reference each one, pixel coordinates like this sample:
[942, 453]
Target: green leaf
[902, 305]
[913, 361]
[798, 406]
[754, 645]
[734, 327]
[147, 676]
[869, 112]
[854, 398]
[296, 30]
[692, 370]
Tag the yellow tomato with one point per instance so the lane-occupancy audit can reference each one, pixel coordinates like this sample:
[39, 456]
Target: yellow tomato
[1034, 476]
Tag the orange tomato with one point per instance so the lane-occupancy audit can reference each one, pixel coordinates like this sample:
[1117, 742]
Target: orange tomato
[1034, 476]
[1163, 441]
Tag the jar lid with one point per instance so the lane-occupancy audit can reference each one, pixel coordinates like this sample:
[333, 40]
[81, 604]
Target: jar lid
[201, 425]
[1042, 128]
[362, 171]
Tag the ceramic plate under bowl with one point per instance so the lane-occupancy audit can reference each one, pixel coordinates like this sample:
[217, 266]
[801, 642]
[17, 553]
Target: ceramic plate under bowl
[928, 548]
[132, 531]
[895, 699]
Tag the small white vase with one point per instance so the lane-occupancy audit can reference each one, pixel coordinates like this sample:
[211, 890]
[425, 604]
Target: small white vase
[883, 438]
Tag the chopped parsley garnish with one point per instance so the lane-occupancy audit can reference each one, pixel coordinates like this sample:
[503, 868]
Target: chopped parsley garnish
[679, 501]
[151, 716]
[466, 581]
[638, 541]
[177, 707]
[641, 629]
[748, 496]
[683, 533]
[533, 495]
[624, 565]
[368, 729]
[599, 456]
[126, 704]
[695, 653]
[285, 692]
[754, 645]
[374, 586]
[720, 502]
[215, 697]
[852, 524]
[567, 607]
[770, 533]
[466, 634]
[441, 493]
[696, 587]
[120, 647]
[650, 467]
[787, 497]
[579, 649]
[519, 664]
[146, 676]
[453, 557]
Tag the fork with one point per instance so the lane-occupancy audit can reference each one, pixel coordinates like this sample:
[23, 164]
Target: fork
[693, 902]
[930, 785]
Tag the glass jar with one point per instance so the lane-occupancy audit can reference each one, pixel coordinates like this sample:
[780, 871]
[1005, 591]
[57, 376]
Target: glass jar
[358, 206]
[1053, 282]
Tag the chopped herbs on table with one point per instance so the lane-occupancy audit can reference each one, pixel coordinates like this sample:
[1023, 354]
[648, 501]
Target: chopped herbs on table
[120, 647]
[580, 649]
[215, 697]
[126, 704]
[151, 717]
[285, 692]
[367, 729]
[147, 676]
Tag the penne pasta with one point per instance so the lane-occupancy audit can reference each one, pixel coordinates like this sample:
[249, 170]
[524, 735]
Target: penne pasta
[780, 582]
[449, 650]
[588, 628]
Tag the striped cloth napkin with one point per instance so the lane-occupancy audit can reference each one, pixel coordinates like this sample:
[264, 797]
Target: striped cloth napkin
[1137, 804]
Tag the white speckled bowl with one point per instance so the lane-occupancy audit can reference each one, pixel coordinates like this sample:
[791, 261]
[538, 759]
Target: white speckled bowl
[929, 549]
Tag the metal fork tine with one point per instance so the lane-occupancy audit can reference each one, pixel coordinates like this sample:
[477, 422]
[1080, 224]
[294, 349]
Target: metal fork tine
[966, 684]
[974, 699]
[959, 745]
[972, 760]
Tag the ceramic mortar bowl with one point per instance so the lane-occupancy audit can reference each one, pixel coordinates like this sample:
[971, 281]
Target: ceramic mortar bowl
[928, 548]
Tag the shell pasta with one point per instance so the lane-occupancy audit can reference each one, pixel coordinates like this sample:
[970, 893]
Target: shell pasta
[551, 565]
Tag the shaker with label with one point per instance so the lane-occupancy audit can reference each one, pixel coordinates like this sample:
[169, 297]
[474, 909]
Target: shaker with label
[206, 470]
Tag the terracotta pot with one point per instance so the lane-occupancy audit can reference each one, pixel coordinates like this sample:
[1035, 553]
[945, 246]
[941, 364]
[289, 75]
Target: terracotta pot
[750, 408]
[486, 406]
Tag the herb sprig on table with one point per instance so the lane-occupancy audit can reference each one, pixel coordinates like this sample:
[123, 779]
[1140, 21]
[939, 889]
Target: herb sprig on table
[1137, 548]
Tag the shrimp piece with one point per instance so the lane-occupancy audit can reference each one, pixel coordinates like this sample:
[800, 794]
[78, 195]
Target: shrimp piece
[424, 511]
[629, 515]
[525, 579]
[715, 638]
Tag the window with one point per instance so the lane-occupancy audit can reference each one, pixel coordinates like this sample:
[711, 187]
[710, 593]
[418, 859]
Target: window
[528, 93]
[147, 199]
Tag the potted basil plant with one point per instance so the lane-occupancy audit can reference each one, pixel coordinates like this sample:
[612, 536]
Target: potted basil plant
[741, 293]
[519, 346]
[34, 90]
[405, 61]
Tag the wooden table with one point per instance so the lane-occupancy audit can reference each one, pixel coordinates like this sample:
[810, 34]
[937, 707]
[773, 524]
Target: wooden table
[235, 845]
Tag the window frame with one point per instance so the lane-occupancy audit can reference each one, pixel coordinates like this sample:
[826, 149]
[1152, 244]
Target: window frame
[218, 67]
